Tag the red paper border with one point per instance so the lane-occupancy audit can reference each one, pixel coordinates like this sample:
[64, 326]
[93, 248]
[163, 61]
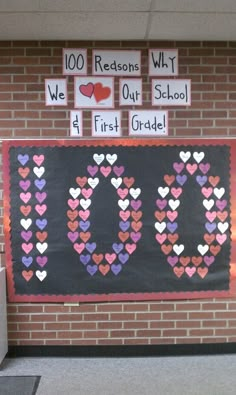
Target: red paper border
[122, 296]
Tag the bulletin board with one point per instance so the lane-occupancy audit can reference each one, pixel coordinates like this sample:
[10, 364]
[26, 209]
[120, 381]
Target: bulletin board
[104, 220]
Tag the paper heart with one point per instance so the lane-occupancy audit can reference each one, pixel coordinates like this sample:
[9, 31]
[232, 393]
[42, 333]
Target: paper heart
[41, 247]
[41, 260]
[222, 215]
[202, 271]
[219, 192]
[197, 260]
[124, 215]
[136, 215]
[74, 192]
[201, 180]
[26, 223]
[221, 204]
[135, 236]
[161, 238]
[190, 271]
[210, 226]
[25, 196]
[172, 215]
[209, 238]
[124, 225]
[87, 192]
[27, 260]
[25, 210]
[105, 170]
[104, 269]
[173, 237]
[223, 226]
[40, 184]
[85, 236]
[172, 226]
[81, 181]
[116, 268]
[101, 92]
[178, 167]
[73, 226]
[85, 203]
[87, 90]
[191, 168]
[172, 260]
[123, 257]
[166, 248]
[184, 260]
[111, 158]
[93, 182]
[79, 247]
[221, 238]
[23, 171]
[163, 191]
[39, 171]
[160, 226]
[40, 196]
[41, 275]
[73, 236]
[116, 182]
[117, 247]
[84, 225]
[123, 236]
[41, 236]
[122, 192]
[210, 215]
[179, 271]
[169, 179]
[184, 156]
[25, 184]
[176, 192]
[181, 179]
[136, 204]
[128, 181]
[208, 204]
[23, 159]
[160, 215]
[27, 274]
[92, 269]
[198, 156]
[99, 158]
[174, 204]
[84, 214]
[85, 259]
[203, 249]
[92, 170]
[123, 204]
[208, 259]
[26, 235]
[178, 248]
[97, 258]
[136, 226]
[41, 223]
[110, 258]
[135, 192]
[204, 167]
[215, 249]
[41, 209]
[73, 204]
[214, 180]
[207, 192]
[130, 248]
[90, 247]
[38, 159]
[118, 170]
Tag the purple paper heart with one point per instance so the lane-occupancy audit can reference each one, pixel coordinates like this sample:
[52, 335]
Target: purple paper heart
[136, 204]
[24, 184]
[116, 268]
[92, 269]
[85, 259]
[118, 170]
[208, 259]
[210, 227]
[92, 170]
[40, 196]
[172, 260]
[84, 225]
[41, 260]
[73, 236]
[204, 167]
[27, 260]
[172, 226]
[117, 247]
[124, 225]
[221, 204]
[201, 180]
[23, 159]
[123, 258]
[181, 179]
[178, 167]
[135, 236]
[41, 223]
[161, 203]
[40, 183]
[90, 247]
[26, 235]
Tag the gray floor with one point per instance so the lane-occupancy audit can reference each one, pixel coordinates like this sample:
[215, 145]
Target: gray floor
[197, 375]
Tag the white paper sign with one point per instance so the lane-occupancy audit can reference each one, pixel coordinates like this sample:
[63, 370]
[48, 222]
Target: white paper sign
[148, 123]
[106, 123]
[163, 62]
[74, 61]
[171, 92]
[130, 91]
[56, 92]
[76, 123]
[94, 92]
[116, 62]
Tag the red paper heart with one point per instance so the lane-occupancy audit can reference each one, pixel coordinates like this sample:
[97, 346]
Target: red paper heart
[87, 90]
[101, 92]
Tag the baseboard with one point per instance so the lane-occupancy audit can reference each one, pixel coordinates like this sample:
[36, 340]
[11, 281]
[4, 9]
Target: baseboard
[122, 351]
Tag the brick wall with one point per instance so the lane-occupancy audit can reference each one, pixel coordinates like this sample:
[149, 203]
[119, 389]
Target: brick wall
[211, 66]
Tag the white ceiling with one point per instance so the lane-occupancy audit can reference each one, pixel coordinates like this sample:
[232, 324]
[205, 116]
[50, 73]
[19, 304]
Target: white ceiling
[118, 20]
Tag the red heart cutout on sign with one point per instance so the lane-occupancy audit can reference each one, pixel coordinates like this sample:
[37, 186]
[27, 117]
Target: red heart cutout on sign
[87, 90]
[101, 92]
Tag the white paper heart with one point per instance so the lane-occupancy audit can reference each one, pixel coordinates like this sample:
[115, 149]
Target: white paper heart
[111, 158]
[163, 191]
[85, 203]
[93, 182]
[160, 226]
[74, 192]
[99, 158]
[116, 182]
[123, 203]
